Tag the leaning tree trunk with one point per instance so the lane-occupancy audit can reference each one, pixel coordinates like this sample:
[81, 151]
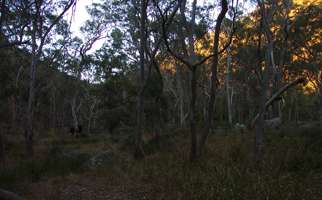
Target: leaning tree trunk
[276, 95]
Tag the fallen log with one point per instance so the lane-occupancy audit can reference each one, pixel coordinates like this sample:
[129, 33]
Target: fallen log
[276, 95]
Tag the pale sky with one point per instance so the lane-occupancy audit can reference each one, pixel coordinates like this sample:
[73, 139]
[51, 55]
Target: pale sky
[81, 16]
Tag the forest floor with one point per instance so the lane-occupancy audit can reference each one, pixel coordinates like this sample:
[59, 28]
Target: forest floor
[291, 168]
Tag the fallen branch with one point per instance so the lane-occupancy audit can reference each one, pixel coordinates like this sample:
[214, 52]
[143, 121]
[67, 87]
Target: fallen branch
[276, 95]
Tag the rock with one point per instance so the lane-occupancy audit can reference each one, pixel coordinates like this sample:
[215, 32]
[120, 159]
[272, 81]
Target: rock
[273, 123]
[100, 160]
[72, 154]
[239, 127]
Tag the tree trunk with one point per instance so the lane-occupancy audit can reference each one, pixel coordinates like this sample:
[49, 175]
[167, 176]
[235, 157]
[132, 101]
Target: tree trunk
[90, 117]
[54, 110]
[139, 153]
[269, 67]
[229, 91]
[213, 83]
[181, 90]
[2, 152]
[74, 113]
[29, 132]
[193, 150]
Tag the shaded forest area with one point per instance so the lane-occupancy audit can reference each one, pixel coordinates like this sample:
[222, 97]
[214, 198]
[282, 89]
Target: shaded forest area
[161, 99]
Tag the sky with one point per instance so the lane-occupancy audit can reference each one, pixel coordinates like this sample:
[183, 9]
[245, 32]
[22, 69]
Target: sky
[81, 16]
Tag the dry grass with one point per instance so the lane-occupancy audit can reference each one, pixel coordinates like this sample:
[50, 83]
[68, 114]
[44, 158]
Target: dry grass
[291, 169]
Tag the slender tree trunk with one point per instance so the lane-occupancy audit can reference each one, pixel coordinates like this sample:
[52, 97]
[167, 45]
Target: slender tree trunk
[54, 110]
[139, 153]
[2, 152]
[229, 91]
[193, 77]
[193, 129]
[213, 83]
[320, 97]
[182, 96]
[90, 117]
[74, 113]
[29, 132]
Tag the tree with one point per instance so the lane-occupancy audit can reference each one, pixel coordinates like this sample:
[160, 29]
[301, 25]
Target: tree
[140, 107]
[213, 83]
[40, 27]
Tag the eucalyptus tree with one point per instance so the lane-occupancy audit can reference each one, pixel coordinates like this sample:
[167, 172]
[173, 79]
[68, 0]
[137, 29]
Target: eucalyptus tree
[214, 66]
[131, 28]
[14, 21]
[42, 19]
[140, 107]
[135, 42]
[191, 60]
[187, 32]
[305, 46]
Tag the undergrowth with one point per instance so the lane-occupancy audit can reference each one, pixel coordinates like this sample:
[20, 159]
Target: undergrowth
[290, 169]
